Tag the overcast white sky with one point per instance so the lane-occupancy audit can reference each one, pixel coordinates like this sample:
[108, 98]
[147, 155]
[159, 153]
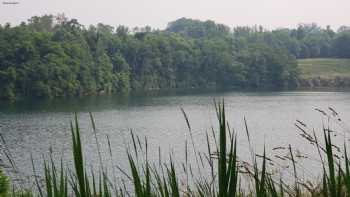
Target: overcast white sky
[157, 13]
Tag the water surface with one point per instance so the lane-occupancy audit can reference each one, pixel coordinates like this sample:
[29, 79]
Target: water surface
[33, 127]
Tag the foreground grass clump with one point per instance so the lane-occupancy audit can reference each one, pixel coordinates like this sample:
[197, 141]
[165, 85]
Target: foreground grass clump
[4, 184]
[219, 172]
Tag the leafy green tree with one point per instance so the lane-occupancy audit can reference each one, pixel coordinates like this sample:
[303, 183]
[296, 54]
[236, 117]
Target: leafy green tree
[53, 56]
[198, 29]
[342, 45]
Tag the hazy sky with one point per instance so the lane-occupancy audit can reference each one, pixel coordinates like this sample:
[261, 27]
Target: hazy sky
[157, 13]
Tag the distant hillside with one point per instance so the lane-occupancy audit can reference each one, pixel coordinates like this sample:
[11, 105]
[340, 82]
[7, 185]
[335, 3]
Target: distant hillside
[324, 72]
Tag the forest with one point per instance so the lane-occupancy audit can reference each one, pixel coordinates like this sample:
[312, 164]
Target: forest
[53, 56]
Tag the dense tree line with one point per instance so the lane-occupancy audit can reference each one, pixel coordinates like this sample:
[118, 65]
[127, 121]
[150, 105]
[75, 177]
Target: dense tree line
[53, 56]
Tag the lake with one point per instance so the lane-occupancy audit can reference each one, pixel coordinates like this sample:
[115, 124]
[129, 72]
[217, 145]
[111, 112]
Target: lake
[35, 127]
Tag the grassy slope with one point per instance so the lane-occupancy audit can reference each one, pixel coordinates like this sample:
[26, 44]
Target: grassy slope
[326, 68]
